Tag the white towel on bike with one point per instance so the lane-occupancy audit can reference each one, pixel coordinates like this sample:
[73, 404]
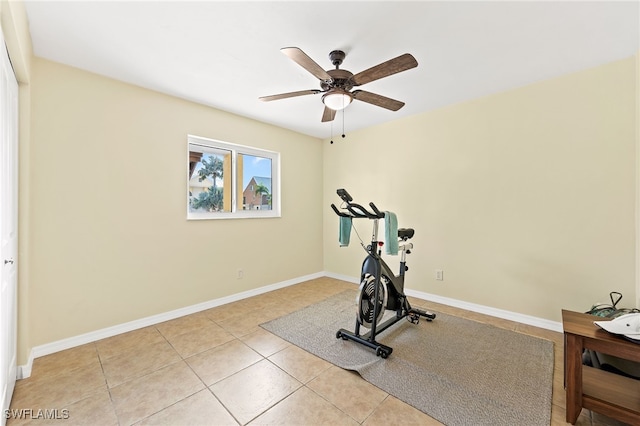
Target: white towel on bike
[345, 231]
[391, 233]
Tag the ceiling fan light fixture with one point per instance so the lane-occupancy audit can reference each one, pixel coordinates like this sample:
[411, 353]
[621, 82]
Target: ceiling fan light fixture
[337, 99]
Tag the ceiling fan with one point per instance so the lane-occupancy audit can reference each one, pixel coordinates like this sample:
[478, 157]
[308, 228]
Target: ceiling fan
[336, 84]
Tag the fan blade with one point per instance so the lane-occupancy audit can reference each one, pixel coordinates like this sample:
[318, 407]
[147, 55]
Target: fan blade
[301, 58]
[385, 69]
[328, 114]
[377, 100]
[289, 95]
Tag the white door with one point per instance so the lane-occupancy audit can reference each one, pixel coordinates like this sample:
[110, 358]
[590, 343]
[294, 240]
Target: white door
[8, 227]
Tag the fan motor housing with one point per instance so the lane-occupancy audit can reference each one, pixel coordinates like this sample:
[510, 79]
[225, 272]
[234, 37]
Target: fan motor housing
[341, 80]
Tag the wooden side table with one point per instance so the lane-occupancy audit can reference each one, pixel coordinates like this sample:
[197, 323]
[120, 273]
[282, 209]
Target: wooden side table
[607, 393]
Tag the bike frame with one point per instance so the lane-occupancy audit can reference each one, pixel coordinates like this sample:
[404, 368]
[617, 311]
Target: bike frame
[375, 265]
[374, 257]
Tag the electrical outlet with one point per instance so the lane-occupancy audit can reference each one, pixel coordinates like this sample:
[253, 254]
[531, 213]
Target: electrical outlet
[439, 275]
[240, 274]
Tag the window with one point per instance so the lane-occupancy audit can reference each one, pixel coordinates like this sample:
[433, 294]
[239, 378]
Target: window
[226, 180]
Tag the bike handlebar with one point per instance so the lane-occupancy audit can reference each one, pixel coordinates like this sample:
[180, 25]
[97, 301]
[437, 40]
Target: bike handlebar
[356, 210]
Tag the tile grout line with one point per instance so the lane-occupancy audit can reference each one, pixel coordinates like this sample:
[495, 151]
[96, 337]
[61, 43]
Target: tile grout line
[104, 375]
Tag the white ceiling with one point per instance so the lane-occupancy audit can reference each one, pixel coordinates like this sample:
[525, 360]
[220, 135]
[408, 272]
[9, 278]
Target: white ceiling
[226, 54]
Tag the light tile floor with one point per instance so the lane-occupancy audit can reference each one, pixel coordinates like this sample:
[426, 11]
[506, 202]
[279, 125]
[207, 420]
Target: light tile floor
[218, 367]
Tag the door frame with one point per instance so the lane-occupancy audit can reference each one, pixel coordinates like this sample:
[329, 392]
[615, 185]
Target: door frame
[8, 227]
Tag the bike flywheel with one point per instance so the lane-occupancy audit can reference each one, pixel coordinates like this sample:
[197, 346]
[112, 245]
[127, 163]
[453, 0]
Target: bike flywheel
[366, 302]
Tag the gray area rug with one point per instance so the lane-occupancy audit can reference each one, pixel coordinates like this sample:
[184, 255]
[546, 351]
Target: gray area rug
[458, 371]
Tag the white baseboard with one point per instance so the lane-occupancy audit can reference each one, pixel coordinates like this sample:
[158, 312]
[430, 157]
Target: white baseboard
[487, 310]
[340, 277]
[24, 371]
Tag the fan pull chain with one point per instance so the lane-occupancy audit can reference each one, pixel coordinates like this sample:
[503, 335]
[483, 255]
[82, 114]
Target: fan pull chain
[343, 134]
[331, 133]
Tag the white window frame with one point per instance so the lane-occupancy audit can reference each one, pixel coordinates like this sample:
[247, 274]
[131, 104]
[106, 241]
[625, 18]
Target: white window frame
[205, 145]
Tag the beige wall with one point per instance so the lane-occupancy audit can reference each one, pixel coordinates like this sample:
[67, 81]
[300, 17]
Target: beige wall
[110, 242]
[526, 199]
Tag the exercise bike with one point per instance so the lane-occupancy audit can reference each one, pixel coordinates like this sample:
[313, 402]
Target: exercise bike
[380, 289]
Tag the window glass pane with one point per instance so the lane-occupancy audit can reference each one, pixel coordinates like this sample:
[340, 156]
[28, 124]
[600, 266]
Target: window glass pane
[209, 190]
[255, 173]
[226, 180]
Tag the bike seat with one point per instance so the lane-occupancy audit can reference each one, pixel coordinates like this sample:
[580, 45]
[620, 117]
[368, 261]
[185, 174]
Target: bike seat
[405, 233]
